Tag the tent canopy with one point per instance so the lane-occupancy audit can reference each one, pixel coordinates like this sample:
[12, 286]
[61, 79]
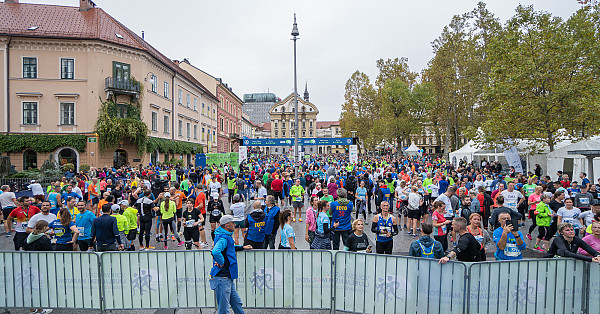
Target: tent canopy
[413, 150]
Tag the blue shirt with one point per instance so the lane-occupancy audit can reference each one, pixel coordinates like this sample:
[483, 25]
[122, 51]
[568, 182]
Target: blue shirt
[322, 219]
[361, 193]
[343, 214]
[286, 233]
[64, 196]
[83, 221]
[512, 251]
[443, 186]
[61, 233]
[105, 231]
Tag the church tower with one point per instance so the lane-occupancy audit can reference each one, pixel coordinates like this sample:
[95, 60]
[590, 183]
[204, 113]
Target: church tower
[306, 91]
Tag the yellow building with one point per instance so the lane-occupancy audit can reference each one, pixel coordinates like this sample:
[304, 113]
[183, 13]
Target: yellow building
[60, 63]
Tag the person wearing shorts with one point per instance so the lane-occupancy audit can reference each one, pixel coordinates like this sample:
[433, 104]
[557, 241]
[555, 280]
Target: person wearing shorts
[297, 196]
[238, 209]
[216, 209]
[191, 220]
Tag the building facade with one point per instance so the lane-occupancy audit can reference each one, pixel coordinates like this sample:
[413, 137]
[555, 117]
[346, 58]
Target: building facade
[62, 63]
[258, 105]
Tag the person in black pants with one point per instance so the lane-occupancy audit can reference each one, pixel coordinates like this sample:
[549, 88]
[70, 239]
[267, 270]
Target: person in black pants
[145, 208]
[105, 231]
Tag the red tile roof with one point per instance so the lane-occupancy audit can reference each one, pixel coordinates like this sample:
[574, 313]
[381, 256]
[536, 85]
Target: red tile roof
[54, 21]
[326, 124]
[266, 126]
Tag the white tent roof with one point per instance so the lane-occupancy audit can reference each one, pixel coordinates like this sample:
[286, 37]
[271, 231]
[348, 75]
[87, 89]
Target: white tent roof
[412, 148]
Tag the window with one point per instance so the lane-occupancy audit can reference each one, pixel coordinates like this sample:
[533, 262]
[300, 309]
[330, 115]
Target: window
[121, 71]
[166, 92]
[203, 135]
[30, 115]
[275, 124]
[188, 130]
[208, 110]
[202, 108]
[154, 82]
[214, 135]
[166, 126]
[283, 133]
[195, 104]
[67, 69]
[214, 114]
[180, 128]
[29, 159]
[121, 111]
[195, 132]
[221, 124]
[154, 121]
[29, 67]
[303, 124]
[188, 100]
[303, 133]
[180, 94]
[275, 133]
[67, 113]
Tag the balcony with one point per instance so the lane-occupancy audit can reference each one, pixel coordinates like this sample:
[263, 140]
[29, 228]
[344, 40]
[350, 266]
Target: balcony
[121, 86]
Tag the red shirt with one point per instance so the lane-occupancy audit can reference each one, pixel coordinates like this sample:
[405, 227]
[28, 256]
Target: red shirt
[277, 185]
[566, 184]
[22, 217]
[201, 202]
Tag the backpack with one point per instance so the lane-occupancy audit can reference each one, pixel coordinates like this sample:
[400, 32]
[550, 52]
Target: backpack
[426, 252]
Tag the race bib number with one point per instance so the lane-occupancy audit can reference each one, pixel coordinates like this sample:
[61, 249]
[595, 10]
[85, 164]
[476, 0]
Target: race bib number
[216, 212]
[189, 223]
[584, 201]
[511, 250]
[81, 230]
[512, 205]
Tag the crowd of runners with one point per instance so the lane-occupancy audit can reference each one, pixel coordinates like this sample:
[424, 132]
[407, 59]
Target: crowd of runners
[452, 212]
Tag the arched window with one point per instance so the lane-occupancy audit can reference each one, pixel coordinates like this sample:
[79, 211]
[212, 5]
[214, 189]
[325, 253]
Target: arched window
[29, 159]
[303, 109]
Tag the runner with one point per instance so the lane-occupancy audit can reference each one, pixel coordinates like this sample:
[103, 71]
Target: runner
[256, 222]
[288, 237]
[191, 219]
[341, 212]
[357, 240]
[64, 232]
[238, 208]
[83, 222]
[385, 226]
[322, 239]
[21, 215]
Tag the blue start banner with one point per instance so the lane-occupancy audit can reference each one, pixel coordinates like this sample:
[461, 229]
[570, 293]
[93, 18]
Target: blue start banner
[301, 141]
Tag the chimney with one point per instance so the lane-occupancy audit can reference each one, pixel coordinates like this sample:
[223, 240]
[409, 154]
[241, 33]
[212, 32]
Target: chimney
[11, 1]
[86, 5]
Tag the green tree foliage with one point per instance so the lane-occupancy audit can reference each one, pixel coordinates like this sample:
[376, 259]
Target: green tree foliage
[459, 73]
[544, 80]
[172, 146]
[360, 110]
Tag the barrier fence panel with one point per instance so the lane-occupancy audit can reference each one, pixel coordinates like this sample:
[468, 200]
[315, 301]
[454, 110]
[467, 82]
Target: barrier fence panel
[159, 279]
[527, 286]
[369, 283]
[49, 280]
[593, 289]
[285, 279]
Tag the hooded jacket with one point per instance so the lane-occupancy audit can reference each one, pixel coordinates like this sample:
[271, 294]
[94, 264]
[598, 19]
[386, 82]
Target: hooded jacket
[224, 254]
[426, 241]
[257, 226]
[38, 242]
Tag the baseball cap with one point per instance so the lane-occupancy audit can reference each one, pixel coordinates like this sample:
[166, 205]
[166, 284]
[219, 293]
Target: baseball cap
[226, 219]
[214, 194]
[115, 207]
[124, 203]
[167, 194]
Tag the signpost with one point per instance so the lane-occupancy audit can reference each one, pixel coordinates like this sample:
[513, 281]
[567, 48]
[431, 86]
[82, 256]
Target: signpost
[353, 153]
[243, 151]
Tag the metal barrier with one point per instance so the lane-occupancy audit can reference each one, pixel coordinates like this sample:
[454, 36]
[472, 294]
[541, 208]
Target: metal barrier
[49, 280]
[285, 279]
[528, 286]
[344, 281]
[158, 279]
[369, 283]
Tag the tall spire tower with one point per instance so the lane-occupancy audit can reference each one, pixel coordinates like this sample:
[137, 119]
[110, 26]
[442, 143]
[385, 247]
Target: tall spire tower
[306, 91]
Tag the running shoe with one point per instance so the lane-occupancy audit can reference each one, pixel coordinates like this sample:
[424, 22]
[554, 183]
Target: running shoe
[46, 311]
[409, 233]
[294, 220]
[418, 229]
[405, 227]
[166, 247]
[172, 238]
[8, 234]
[203, 245]
[528, 236]
[300, 219]
[539, 249]
[180, 243]
[142, 248]
[150, 248]
[414, 235]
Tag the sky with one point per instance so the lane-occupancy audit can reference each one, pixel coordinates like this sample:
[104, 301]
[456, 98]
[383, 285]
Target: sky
[247, 42]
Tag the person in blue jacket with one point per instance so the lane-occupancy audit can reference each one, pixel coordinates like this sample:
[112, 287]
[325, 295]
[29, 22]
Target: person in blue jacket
[341, 211]
[225, 268]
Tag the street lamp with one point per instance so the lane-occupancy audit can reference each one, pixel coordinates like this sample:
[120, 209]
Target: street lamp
[295, 34]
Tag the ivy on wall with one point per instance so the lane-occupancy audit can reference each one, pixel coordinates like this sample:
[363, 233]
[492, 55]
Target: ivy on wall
[41, 143]
[114, 126]
[172, 146]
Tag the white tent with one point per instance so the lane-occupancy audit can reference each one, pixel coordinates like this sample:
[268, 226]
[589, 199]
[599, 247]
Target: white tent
[560, 159]
[464, 153]
[413, 150]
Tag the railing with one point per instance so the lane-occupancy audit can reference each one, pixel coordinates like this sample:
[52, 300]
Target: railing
[22, 183]
[339, 281]
[122, 85]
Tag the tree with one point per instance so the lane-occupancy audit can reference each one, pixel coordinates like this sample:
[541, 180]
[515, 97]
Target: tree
[459, 74]
[359, 110]
[392, 69]
[544, 80]
[403, 110]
